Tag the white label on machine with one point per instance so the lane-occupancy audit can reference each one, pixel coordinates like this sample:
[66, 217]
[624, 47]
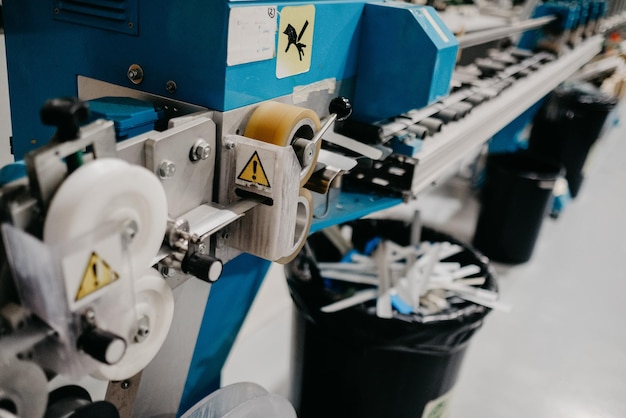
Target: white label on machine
[251, 34]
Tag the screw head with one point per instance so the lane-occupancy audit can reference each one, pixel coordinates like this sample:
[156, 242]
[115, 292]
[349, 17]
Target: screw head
[90, 316]
[143, 329]
[167, 272]
[135, 74]
[167, 169]
[130, 229]
[171, 86]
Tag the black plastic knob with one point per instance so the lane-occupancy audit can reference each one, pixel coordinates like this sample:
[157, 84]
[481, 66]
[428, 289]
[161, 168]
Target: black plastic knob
[67, 114]
[102, 345]
[341, 106]
[204, 267]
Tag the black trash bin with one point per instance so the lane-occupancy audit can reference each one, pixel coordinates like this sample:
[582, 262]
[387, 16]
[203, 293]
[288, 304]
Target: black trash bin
[514, 199]
[567, 126]
[352, 363]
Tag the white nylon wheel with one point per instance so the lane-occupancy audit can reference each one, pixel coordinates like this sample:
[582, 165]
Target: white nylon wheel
[153, 300]
[110, 189]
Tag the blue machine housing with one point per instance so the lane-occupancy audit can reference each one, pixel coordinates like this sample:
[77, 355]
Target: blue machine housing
[406, 59]
[568, 17]
[184, 41]
[130, 116]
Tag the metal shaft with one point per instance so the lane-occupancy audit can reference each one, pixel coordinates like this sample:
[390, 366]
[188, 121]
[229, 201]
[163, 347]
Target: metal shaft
[488, 35]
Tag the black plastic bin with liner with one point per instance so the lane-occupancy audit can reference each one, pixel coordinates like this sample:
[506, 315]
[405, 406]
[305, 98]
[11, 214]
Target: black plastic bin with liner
[567, 126]
[515, 198]
[352, 363]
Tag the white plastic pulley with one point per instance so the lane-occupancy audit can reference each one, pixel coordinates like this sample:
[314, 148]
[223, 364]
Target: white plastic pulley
[110, 189]
[154, 305]
[23, 386]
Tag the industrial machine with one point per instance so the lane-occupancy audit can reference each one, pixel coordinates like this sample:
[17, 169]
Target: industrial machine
[186, 140]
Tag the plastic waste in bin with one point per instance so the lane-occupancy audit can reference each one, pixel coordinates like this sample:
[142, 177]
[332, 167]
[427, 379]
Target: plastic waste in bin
[514, 201]
[352, 363]
[241, 400]
[567, 126]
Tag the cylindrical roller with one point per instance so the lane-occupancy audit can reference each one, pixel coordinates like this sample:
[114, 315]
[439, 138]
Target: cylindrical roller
[520, 54]
[281, 124]
[488, 68]
[304, 219]
[502, 57]
[155, 307]
[98, 409]
[475, 99]
[433, 125]
[23, 389]
[461, 107]
[102, 345]
[109, 189]
[420, 132]
[447, 115]
[202, 266]
[65, 400]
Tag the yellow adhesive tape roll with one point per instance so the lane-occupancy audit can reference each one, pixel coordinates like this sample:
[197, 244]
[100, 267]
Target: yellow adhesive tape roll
[304, 220]
[279, 123]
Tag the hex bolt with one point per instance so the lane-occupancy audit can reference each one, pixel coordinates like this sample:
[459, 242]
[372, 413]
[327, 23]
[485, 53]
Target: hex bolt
[167, 169]
[135, 73]
[202, 249]
[201, 150]
[229, 144]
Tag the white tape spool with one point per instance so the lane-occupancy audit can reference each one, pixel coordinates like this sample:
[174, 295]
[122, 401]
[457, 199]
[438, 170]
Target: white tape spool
[110, 189]
[154, 301]
[24, 386]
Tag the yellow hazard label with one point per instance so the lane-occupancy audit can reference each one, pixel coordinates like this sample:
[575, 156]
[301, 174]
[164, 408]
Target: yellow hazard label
[254, 172]
[295, 40]
[98, 274]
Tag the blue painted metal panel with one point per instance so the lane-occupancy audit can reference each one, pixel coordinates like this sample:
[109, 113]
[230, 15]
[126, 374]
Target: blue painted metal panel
[227, 307]
[334, 55]
[406, 59]
[514, 136]
[115, 15]
[351, 206]
[567, 13]
[180, 40]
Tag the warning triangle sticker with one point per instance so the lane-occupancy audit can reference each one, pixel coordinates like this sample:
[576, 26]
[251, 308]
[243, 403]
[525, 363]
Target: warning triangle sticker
[254, 172]
[97, 275]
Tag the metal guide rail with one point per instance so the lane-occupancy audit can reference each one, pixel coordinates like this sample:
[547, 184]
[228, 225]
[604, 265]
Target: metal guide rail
[457, 139]
[505, 96]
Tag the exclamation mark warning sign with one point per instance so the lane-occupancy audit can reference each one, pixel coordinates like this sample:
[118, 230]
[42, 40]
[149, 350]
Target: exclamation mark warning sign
[253, 172]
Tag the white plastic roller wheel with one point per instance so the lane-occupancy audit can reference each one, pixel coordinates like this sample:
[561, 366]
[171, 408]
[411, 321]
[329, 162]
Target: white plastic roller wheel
[154, 302]
[110, 189]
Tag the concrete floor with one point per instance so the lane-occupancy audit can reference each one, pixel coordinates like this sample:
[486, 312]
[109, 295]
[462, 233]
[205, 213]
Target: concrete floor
[560, 352]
